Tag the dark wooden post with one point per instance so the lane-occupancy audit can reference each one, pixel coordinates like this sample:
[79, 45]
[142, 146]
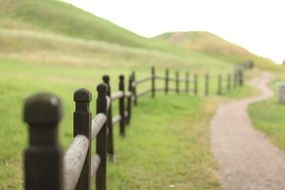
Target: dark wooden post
[152, 82]
[240, 77]
[135, 89]
[43, 159]
[129, 101]
[207, 77]
[219, 84]
[177, 81]
[166, 80]
[187, 82]
[229, 82]
[110, 136]
[122, 105]
[235, 80]
[82, 126]
[196, 84]
[101, 140]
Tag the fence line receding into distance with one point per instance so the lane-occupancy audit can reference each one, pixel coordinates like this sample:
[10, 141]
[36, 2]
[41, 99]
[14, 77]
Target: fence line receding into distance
[46, 166]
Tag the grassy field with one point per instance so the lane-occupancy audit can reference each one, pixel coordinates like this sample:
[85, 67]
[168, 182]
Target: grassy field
[74, 51]
[269, 116]
[184, 112]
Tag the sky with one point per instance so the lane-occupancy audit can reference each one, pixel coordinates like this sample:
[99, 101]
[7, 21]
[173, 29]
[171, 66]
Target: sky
[257, 25]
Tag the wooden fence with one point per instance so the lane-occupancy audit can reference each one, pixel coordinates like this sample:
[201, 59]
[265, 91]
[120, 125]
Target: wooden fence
[46, 167]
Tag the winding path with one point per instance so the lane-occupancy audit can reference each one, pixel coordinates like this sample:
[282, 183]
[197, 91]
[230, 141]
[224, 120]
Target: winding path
[247, 159]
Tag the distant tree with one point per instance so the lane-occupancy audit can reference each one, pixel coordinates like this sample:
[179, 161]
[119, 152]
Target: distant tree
[283, 62]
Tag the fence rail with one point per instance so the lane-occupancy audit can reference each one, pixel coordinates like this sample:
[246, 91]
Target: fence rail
[75, 169]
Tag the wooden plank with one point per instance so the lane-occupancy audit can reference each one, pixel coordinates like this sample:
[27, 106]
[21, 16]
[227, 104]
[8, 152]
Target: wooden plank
[97, 124]
[126, 113]
[172, 79]
[108, 102]
[159, 89]
[143, 80]
[128, 94]
[160, 77]
[73, 161]
[95, 161]
[116, 119]
[144, 93]
[117, 95]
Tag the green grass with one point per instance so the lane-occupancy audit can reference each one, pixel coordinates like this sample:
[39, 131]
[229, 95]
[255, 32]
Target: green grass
[269, 116]
[166, 148]
[217, 47]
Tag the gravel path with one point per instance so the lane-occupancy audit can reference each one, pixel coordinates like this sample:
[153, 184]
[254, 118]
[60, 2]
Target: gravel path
[247, 159]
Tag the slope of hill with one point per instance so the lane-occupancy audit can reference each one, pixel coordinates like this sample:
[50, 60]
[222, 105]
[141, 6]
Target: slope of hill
[214, 46]
[61, 18]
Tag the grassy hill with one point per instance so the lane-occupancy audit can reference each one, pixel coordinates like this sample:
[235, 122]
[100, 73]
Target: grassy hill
[215, 46]
[53, 46]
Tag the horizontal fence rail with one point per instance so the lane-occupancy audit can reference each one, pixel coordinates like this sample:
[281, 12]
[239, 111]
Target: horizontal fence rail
[75, 169]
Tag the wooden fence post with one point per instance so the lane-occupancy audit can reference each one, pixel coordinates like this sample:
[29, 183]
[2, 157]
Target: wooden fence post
[240, 75]
[177, 81]
[101, 140]
[219, 84]
[196, 84]
[43, 159]
[229, 82]
[187, 82]
[110, 136]
[235, 80]
[166, 80]
[152, 82]
[82, 126]
[207, 77]
[135, 89]
[122, 105]
[129, 101]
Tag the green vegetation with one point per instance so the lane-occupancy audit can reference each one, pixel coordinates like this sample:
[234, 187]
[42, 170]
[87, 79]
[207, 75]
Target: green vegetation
[269, 116]
[52, 46]
[216, 47]
[165, 149]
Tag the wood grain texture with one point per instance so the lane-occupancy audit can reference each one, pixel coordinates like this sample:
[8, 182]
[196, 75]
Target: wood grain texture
[95, 161]
[73, 161]
[97, 124]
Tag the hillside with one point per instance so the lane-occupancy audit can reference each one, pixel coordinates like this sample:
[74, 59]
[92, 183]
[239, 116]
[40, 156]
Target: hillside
[58, 17]
[61, 18]
[214, 46]
[57, 32]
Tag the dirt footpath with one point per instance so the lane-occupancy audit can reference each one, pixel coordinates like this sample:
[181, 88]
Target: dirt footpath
[247, 159]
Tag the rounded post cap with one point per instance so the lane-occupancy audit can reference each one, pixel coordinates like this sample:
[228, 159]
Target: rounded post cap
[121, 77]
[102, 88]
[43, 108]
[82, 95]
[106, 79]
